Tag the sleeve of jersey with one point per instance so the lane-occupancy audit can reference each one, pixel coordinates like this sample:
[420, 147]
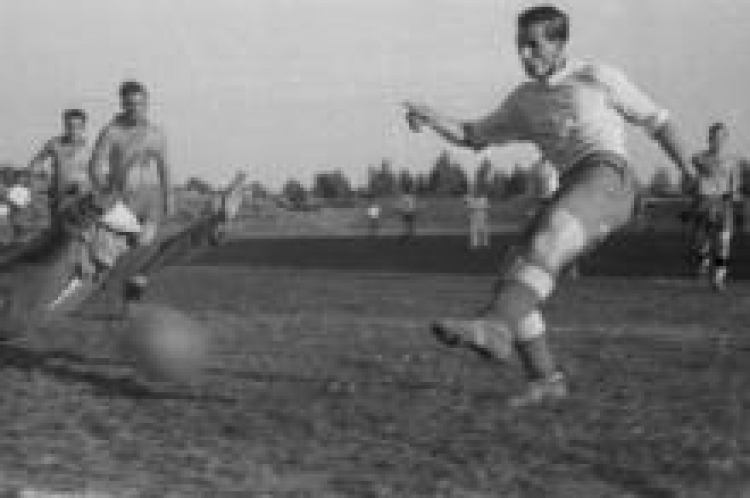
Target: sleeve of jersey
[499, 127]
[634, 105]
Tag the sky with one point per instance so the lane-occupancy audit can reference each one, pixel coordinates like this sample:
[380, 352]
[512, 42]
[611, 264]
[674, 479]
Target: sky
[286, 88]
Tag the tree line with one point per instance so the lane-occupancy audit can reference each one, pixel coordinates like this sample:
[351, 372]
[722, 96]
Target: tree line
[446, 178]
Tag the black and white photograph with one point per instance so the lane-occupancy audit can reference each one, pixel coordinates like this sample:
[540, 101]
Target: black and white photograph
[374, 248]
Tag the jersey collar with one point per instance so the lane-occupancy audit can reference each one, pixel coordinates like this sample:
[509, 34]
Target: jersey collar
[561, 74]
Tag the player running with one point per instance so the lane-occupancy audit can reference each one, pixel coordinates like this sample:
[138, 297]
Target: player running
[574, 112]
[718, 190]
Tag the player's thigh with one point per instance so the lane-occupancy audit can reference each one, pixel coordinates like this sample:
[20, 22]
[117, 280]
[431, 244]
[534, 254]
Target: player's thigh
[594, 201]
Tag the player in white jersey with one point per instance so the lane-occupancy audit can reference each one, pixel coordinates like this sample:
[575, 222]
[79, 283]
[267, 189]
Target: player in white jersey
[478, 206]
[67, 156]
[718, 189]
[574, 113]
[129, 145]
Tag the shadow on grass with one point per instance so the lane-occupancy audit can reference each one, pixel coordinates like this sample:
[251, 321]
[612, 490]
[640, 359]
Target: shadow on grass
[74, 367]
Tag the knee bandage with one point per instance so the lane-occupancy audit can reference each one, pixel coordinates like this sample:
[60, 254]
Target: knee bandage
[524, 286]
[531, 327]
[563, 238]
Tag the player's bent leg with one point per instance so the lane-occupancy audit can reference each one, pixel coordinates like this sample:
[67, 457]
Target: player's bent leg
[558, 242]
[597, 199]
[526, 282]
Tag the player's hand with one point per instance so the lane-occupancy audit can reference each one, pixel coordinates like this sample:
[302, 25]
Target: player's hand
[417, 115]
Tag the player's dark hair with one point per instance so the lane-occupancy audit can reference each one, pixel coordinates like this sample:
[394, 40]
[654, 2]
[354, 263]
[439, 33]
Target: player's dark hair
[716, 128]
[69, 114]
[555, 20]
[131, 86]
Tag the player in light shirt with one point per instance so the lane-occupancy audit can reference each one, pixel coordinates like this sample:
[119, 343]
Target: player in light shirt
[718, 189]
[478, 206]
[126, 147]
[67, 156]
[575, 114]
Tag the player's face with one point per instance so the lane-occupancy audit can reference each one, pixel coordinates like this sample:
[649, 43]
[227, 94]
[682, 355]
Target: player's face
[718, 139]
[135, 106]
[540, 56]
[75, 128]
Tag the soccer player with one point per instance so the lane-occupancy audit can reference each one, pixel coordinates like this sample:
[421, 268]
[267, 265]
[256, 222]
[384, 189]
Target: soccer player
[408, 209]
[718, 190]
[479, 232]
[67, 156]
[373, 218]
[128, 146]
[575, 114]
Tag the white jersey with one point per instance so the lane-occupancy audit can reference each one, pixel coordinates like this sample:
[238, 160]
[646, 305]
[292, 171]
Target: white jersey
[580, 110]
[718, 175]
[478, 207]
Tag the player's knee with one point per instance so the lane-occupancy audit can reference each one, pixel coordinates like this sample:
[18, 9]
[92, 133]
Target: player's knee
[560, 240]
[515, 302]
[531, 327]
[524, 286]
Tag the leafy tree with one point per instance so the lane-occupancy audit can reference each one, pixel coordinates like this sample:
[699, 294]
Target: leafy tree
[382, 181]
[258, 190]
[447, 178]
[294, 192]
[195, 184]
[745, 187]
[406, 181]
[421, 184]
[332, 185]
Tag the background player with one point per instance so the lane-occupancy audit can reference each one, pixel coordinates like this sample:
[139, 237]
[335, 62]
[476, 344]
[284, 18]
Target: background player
[718, 190]
[68, 157]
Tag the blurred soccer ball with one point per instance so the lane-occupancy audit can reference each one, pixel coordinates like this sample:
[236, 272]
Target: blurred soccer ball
[165, 344]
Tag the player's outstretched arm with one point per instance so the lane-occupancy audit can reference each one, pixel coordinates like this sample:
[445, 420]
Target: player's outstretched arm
[451, 129]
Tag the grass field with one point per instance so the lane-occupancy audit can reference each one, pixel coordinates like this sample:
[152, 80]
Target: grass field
[325, 383]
